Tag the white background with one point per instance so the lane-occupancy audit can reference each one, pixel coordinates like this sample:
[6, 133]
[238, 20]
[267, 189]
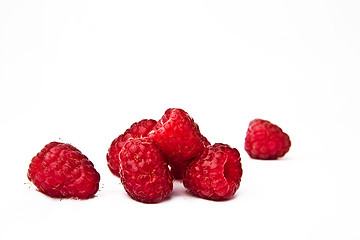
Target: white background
[82, 72]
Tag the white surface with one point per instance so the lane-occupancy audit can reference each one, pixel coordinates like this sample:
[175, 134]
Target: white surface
[83, 71]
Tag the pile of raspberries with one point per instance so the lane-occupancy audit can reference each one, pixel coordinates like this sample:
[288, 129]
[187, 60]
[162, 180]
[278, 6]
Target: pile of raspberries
[150, 154]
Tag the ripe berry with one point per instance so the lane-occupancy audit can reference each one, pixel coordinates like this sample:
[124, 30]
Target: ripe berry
[60, 170]
[216, 174]
[178, 136]
[265, 140]
[178, 167]
[144, 172]
[136, 130]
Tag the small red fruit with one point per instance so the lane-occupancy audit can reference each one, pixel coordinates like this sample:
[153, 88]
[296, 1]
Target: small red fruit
[216, 174]
[178, 136]
[136, 130]
[60, 170]
[178, 167]
[144, 172]
[265, 140]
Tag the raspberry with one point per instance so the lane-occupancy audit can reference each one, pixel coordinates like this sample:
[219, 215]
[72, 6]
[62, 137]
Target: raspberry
[144, 172]
[136, 130]
[265, 140]
[60, 170]
[178, 136]
[216, 174]
[178, 167]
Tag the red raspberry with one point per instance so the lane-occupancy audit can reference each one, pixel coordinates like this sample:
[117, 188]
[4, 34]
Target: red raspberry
[136, 130]
[178, 136]
[62, 171]
[178, 168]
[265, 140]
[144, 172]
[216, 174]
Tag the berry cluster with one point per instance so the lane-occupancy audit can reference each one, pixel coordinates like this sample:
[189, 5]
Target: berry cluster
[150, 154]
[142, 154]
